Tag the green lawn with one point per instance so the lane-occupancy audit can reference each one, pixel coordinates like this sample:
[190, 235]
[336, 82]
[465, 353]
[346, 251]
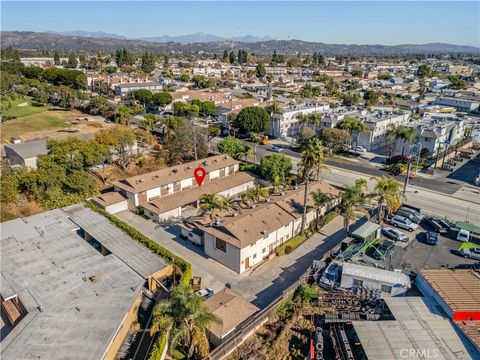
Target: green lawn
[293, 243]
[13, 110]
[47, 120]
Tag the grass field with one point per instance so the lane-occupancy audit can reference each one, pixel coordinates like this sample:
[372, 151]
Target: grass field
[20, 111]
[47, 120]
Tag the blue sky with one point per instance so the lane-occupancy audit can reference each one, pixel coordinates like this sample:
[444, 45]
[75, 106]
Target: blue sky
[377, 22]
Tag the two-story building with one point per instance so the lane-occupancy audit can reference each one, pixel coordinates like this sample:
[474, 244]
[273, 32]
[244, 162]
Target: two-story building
[244, 238]
[164, 193]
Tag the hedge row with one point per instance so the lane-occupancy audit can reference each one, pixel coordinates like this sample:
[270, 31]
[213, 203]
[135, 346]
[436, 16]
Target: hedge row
[329, 216]
[155, 248]
[158, 347]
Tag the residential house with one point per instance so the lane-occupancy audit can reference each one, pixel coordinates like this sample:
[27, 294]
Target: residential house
[124, 89]
[232, 310]
[25, 153]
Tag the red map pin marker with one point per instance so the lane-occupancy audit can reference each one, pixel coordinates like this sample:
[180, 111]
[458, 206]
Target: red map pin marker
[199, 174]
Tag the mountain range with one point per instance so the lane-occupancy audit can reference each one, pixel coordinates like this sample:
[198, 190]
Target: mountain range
[45, 40]
[181, 39]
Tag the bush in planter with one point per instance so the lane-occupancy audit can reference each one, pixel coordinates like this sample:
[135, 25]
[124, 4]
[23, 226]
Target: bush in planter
[288, 249]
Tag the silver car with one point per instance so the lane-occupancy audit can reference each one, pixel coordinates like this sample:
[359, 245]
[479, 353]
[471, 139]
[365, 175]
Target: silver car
[471, 253]
[414, 218]
[404, 223]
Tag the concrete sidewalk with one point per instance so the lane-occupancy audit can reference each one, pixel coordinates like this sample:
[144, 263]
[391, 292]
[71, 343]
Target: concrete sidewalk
[260, 285]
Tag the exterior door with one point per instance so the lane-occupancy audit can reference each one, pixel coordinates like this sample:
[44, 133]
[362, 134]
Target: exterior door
[247, 263]
[270, 248]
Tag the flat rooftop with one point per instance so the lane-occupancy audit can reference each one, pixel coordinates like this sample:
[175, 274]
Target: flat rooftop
[416, 328]
[132, 253]
[75, 297]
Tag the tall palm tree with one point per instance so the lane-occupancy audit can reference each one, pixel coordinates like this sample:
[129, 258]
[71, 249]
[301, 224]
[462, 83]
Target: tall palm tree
[388, 194]
[315, 118]
[185, 317]
[246, 151]
[351, 125]
[256, 139]
[320, 200]
[303, 120]
[406, 134]
[312, 160]
[353, 198]
[390, 134]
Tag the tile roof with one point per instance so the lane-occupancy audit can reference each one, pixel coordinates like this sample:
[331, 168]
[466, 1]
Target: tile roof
[109, 198]
[458, 288]
[155, 179]
[184, 197]
[231, 309]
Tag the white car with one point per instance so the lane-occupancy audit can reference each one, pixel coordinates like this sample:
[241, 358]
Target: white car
[471, 253]
[361, 149]
[276, 149]
[404, 223]
[205, 293]
[463, 235]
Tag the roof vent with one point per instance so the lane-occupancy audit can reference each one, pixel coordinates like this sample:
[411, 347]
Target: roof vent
[263, 232]
[204, 163]
[253, 206]
[174, 171]
[92, 278]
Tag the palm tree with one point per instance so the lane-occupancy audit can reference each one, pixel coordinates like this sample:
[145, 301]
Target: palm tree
[405, 133]
[390, 134]
[249, 195]
[388, 192]
[315, 118]
[312, 160]
[302, 120]
[246, 151]
[213, 203]
[353, 198]
[185, 317]
[320, 200]
[351, 125]
[256, 139]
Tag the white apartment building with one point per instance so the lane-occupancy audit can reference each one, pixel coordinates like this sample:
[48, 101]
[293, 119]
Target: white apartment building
[434, 131]
[287, 124]
[379, 122]
[243, 239]
[463, 105]
[332, 117]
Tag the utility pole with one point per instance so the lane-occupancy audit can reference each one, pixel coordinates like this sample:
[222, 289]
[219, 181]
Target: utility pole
[407, 177]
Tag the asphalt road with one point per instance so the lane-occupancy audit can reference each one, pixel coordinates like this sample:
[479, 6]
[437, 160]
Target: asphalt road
[432, 196]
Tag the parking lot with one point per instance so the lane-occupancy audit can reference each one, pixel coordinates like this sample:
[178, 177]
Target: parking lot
[416, 254]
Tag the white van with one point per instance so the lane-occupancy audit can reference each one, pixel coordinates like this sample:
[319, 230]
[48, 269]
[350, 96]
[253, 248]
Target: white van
[463, 235]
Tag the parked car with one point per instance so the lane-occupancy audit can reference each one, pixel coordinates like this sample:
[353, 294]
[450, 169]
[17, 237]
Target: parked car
[432, 238]
[403, 222]
[397, 159]
[394, 234]
[380, 251]
[414, 218]
[205, 293]
[360, 149]
[412, 211]
[435, 225]
[463, 235]
[471, 253]
[276, 149]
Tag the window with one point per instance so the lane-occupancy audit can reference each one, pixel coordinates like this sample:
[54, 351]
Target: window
[357, 282]
[264, 250]
[254, 255]
[386, 289]
[220, 245]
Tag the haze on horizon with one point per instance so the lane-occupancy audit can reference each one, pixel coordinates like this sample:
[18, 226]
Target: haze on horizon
[329, 22]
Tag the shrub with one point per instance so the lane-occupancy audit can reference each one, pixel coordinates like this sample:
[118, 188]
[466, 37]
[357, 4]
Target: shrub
[158, 347]
[329, 216]
[290, 245]
[288, 249]
[155, 248]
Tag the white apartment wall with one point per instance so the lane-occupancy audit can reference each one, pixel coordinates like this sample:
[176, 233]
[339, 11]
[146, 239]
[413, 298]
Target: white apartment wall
[152, 193]
[116, 208]
[287, 124]
[260, 249]
[31, 162]
[196, 239]
[238, 189]
[186, 183]
[230, 258]
[214, 174]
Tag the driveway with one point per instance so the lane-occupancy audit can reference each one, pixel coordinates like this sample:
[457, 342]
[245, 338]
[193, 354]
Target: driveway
[260, 285]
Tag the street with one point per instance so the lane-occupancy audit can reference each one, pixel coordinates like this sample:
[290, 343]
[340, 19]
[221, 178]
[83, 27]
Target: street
[432, 196]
